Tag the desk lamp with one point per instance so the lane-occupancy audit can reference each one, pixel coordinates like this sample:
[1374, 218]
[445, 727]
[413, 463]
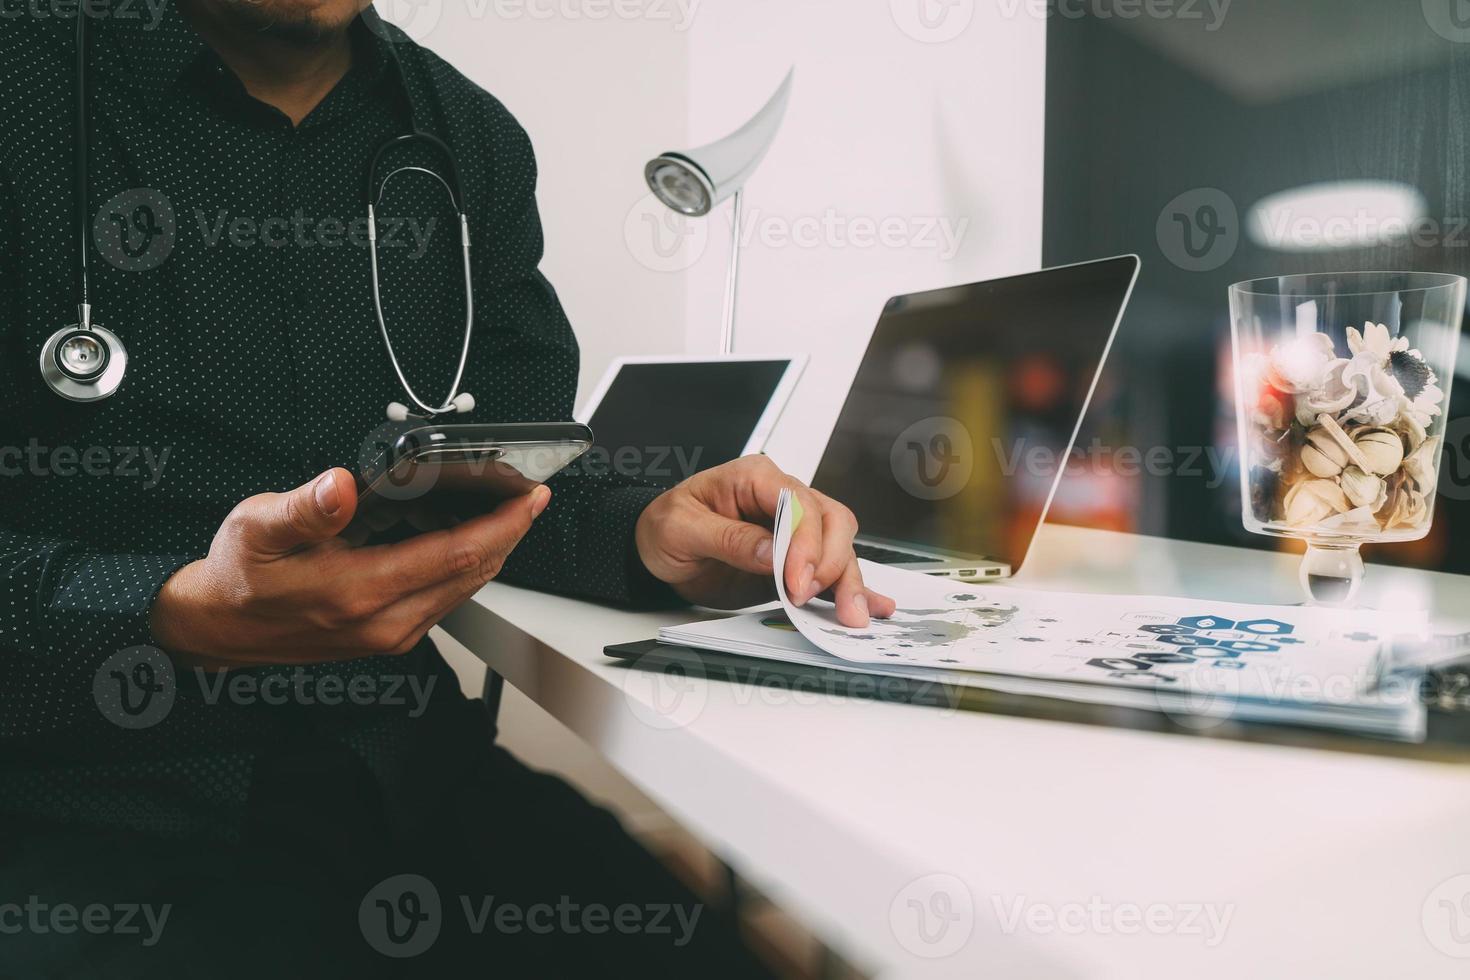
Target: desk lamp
[695, 181]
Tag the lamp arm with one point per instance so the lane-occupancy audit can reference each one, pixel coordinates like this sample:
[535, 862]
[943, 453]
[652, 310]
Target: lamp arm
[732, 277]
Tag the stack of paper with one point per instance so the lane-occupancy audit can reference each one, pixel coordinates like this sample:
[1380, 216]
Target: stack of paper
[1190, 658]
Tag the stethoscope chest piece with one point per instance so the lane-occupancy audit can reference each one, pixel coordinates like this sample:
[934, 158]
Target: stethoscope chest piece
[84, 363]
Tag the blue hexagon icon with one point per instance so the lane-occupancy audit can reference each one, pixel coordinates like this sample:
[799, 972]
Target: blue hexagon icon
[1208, 622]
[1194, 640]
[1249, 646]
[1167, 630]
[1265, 627]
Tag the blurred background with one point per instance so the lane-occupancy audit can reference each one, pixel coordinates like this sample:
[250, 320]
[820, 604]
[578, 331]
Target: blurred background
[1294, 137]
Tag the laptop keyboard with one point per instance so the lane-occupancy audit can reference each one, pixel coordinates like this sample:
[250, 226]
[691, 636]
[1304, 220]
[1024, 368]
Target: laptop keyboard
[887, 556]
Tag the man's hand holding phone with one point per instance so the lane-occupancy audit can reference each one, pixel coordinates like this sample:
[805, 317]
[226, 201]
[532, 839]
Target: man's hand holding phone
[279, 585]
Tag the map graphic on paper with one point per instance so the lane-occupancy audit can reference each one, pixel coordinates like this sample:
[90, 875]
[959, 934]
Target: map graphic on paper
[1273, 652]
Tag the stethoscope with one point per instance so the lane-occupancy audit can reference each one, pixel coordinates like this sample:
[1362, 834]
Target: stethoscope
[85, 362]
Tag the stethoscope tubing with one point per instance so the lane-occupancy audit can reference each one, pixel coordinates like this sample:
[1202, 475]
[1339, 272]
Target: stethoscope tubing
[92, 389]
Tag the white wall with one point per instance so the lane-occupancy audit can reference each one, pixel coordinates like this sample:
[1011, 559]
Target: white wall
[598, 95]
[892, 128]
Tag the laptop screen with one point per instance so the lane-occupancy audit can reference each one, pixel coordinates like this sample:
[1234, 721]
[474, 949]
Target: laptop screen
[964, 409]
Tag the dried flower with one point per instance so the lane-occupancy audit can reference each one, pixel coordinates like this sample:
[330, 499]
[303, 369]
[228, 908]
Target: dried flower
[1421, 466]
[1409, 369]
[1362, 489]
[1344, 441]
[1330, 396]
[1322, 456]
[1298, 366]
[1380, 396]
[1375, 340]
[1314, 500]
[1382, 448]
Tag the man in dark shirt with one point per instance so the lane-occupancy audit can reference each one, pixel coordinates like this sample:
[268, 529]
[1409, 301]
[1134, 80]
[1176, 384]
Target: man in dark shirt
[152, 541]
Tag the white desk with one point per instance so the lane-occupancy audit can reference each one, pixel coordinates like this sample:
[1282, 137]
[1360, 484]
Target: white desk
[1324, 861]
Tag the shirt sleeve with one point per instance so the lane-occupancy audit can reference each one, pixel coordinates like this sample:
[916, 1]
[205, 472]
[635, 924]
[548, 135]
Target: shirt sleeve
[57, 598]
[583, 544]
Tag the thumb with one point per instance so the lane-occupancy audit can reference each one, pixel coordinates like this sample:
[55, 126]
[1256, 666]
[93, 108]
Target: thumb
[735, 543]
[277, 523]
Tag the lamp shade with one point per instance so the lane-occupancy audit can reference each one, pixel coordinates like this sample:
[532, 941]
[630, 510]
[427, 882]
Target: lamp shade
[692, 182]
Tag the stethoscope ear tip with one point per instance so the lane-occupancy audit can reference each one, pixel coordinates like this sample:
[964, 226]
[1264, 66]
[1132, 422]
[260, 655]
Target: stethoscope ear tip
[463, 404]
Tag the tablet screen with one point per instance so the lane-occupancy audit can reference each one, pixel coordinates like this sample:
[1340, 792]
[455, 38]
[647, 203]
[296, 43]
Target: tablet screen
[664, 422]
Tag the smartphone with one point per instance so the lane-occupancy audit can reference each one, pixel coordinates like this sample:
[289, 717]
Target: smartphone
[434, 476]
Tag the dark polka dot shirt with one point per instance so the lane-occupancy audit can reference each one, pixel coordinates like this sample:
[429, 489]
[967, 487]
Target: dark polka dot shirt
[229, 255]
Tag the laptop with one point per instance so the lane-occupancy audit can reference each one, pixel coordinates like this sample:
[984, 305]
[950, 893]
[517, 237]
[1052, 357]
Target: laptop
[662, 419]
[964, 411]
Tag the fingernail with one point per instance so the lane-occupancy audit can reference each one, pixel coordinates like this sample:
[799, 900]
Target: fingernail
[540, 497]
[808, 587]
[763, 552]
[328, 497]
[860, 601]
